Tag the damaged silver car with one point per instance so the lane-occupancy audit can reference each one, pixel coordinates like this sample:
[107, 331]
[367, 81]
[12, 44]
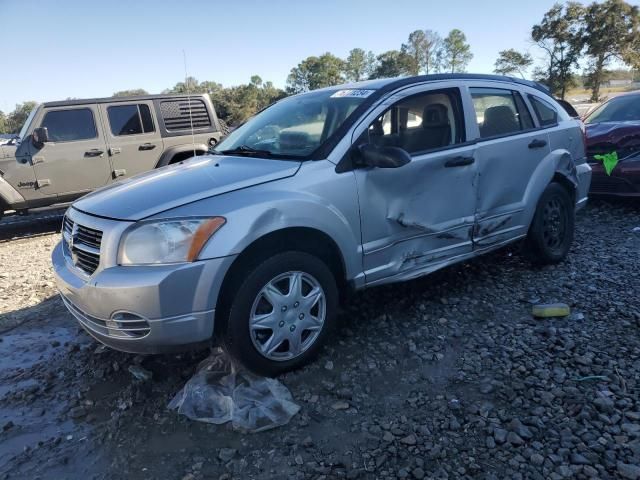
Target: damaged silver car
[320, 194]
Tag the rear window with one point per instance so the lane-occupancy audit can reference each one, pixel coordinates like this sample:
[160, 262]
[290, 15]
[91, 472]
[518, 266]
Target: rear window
[547, 115]
[500, 112]
[130, 119]
[182, 114]
[70, 125]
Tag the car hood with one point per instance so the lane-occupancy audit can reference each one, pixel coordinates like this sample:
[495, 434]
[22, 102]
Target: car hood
[176, 185]
[607, 137]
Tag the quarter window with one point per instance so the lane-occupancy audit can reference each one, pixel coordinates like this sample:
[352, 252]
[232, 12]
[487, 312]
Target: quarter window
[70, 125]
[500, 112]
[130, 119]
[547, 115]
[423, 122]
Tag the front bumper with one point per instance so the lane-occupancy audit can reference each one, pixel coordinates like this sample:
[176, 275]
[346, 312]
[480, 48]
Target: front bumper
[583, 176]
[624, 181]
[145, 309]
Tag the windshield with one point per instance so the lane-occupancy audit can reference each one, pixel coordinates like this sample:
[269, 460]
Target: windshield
[25, 127]
[294, 127]
[619, 109]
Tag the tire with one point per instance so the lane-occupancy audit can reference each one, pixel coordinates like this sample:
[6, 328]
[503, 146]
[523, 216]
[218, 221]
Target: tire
[286, 330]
[552, 229]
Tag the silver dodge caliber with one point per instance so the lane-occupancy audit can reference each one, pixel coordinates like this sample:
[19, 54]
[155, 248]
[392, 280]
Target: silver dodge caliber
[320, 194]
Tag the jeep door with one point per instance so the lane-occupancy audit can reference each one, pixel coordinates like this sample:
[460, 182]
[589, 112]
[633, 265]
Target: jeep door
[510, 148]
[417, 217]
[133, 140]
[74, 160]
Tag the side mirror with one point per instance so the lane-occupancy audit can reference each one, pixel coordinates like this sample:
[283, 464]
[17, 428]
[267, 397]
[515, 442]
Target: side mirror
[40, 136]
[382, 157]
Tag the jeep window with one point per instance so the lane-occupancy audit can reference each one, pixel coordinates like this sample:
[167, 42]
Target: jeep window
[184, 114]
[422, 122]
[296, 126]
[500, 112]
[130, 119]
[547, 115]
[70, 125]
[619, 109]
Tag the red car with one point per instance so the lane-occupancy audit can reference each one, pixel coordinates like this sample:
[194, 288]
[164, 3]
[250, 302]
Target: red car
[615, 127]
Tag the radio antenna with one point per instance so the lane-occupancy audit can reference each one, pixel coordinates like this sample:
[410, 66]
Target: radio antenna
[186, 86]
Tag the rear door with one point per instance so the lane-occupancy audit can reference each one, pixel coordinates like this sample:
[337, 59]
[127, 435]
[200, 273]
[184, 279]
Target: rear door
[510, 148]
[133, 139]
[74, 161]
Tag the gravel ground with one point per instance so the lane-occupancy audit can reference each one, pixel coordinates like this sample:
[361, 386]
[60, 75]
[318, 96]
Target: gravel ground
[444, 377]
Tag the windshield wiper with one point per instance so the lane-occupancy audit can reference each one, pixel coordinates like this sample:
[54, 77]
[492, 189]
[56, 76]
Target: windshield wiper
[244, 150]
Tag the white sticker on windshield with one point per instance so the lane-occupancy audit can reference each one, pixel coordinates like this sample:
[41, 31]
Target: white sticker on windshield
[352, 93]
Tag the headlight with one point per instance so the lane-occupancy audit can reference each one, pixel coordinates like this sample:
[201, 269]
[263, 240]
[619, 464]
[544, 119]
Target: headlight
[167, 241]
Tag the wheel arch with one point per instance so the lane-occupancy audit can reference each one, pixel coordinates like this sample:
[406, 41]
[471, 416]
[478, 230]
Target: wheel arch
[179, 151]
[303, 239]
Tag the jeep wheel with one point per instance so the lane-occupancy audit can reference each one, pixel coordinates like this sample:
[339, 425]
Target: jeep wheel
[551, 232]
[282, 313]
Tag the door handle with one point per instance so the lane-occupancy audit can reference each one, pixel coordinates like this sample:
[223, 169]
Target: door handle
[146, 146]
[537, 143]
[95, 152]
[459, 162]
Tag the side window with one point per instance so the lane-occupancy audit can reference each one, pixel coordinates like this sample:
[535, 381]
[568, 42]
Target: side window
[130, 119]
[420, 123]
[183, 114]
[500, 112]
[70, 125]
[547, 115]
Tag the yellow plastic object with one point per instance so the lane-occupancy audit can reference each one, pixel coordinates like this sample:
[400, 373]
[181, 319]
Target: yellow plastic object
[551, 310]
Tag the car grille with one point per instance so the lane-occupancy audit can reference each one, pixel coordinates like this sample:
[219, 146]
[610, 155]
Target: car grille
[82, 245]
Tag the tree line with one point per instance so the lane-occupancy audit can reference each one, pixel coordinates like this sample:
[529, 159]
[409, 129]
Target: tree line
[570, 34]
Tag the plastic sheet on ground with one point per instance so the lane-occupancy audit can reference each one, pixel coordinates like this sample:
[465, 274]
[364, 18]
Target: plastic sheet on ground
[221, 392]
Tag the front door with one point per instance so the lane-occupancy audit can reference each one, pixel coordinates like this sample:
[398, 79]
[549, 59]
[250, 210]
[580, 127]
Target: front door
[74, 160]
[418, 217]
[510, 149]
[133, 140]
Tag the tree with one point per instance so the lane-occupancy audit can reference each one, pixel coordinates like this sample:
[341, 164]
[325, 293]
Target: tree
[425, 49]
[16, 119]
[559, 35]
[315, 72]
[392, 63]
[130, 93]
[611, 31]
[3, 123]
[511, 62]
[414, 49]
[456, 53]
[359, 65]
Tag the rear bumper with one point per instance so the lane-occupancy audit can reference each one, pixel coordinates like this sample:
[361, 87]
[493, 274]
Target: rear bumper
[152, 309]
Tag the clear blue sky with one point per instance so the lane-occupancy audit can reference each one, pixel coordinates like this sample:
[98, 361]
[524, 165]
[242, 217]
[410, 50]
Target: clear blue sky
[55, 49]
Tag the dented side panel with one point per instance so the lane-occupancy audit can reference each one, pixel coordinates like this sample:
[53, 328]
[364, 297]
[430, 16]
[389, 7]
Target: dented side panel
[506, 169]
[417, 214]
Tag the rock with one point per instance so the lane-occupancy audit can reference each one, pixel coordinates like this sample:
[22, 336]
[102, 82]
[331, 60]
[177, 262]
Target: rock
[140, 373]
[418, 473]
[340, 405]
[517, 427]
[604, 404]
[328, 365]
[8, 425]
[500, 435]
[628, 471]
[514, 439]
[537, 459]
[409, 440]
[226, 454]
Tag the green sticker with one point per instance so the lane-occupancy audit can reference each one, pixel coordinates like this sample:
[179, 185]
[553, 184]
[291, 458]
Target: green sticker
[609, 160]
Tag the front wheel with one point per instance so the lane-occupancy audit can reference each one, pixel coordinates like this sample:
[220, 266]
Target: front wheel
[551, 232]
[281, 313]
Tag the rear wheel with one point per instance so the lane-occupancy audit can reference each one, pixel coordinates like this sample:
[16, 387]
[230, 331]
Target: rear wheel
[281, 313]
[551, 232]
